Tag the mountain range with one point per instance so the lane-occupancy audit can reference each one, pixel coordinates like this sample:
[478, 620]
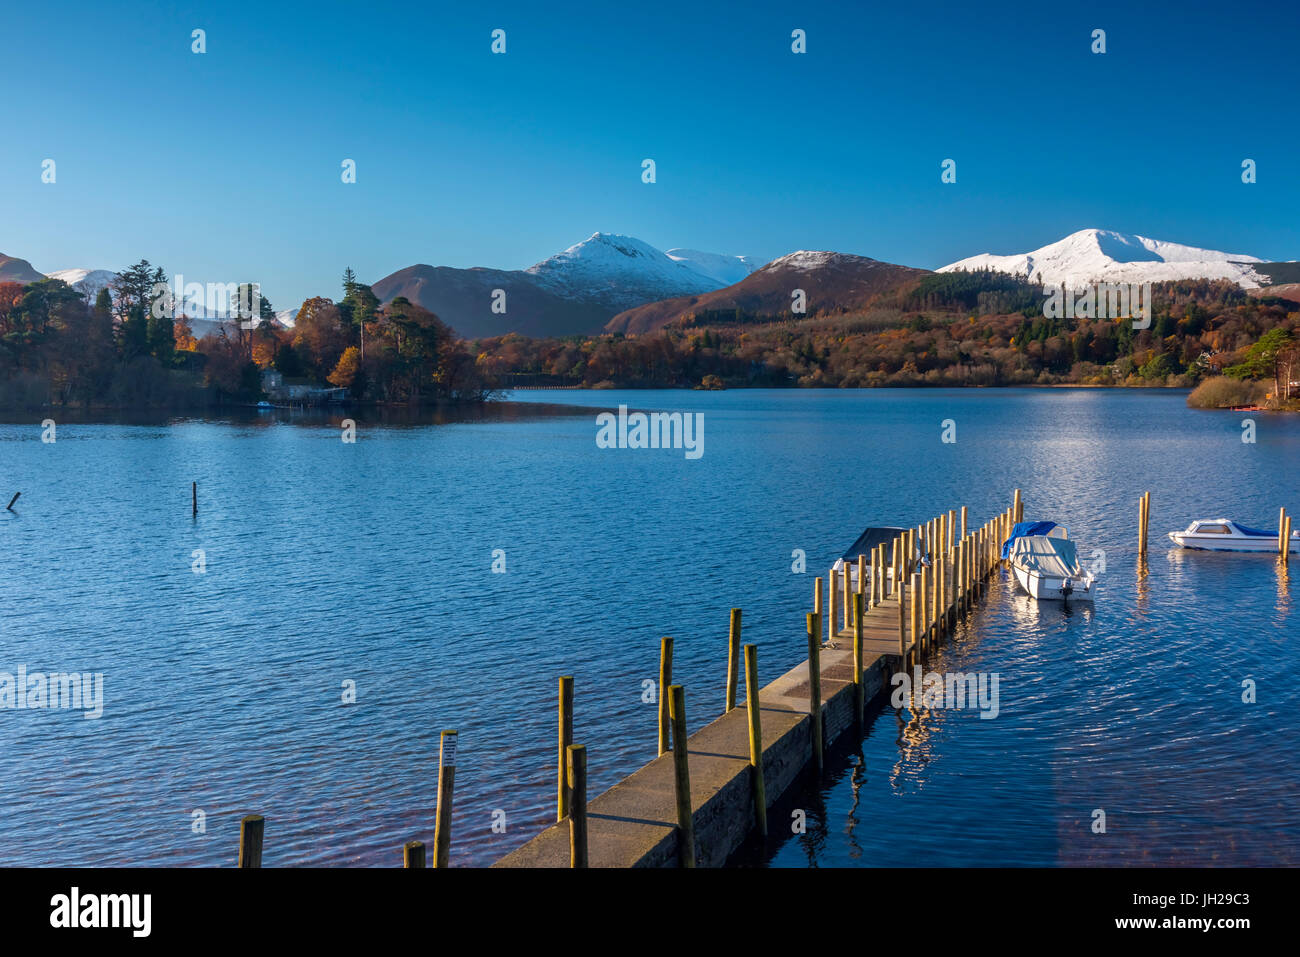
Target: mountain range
[616, 283]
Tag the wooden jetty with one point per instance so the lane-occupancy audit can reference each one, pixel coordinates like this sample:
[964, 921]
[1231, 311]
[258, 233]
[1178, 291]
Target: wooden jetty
[695, 806]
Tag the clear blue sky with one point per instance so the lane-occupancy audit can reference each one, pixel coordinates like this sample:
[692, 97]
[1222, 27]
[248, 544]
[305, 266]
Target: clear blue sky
[225, 166]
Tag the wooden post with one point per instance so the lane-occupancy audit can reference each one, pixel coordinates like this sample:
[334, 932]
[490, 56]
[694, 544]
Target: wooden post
[927, 589]
[963, 521]
[682, 778]
[902, 618]
[413, 854]
[446, 784]
[952, 528]
[1281, 532]
[815, 691]
[857, 655]
[733, 659]
[566, 738]
[862, 574]
[914, 608]
[755, 739]
[665, 679]
[891, 586]
[10, 506]
[576, 759]
[1286, 543]
[941, 595]
[1017, 508]
[251, 829]
[832, 607]
[848, 598]
[958, 580]
[817, 595]
[1142, 527]
[194, 497]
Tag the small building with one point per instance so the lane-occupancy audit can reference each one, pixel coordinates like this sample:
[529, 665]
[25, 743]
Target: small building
[300, 391]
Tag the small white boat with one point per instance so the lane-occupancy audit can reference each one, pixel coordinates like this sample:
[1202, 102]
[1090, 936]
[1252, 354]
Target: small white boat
[1225, 535]
[1048, 568]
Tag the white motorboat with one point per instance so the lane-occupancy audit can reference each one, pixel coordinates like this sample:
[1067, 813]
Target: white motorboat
[1048, 568]
[1225, 535]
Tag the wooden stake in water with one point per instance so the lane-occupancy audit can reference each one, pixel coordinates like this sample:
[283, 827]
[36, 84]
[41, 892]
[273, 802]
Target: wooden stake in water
[682, 778]
[755, 738]
[665, 679]
[733, 659]
[963, 521]
[1286, 542]
[1281, 532]
[815, 690]
[10, 506]
[446, 784]
[251, 829]
[576, 759]
[413, 854]
[566, 739]
[194, 497]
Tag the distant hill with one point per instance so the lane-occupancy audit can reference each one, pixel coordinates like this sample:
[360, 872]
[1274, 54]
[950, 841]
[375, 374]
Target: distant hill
[832, 282]
[573, 292]
[17, 270]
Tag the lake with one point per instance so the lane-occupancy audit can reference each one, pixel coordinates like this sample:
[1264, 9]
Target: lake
[327, 566]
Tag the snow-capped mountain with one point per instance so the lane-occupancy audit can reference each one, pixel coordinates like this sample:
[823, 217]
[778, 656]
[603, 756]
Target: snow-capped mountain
[620, 271]
[88, 282]
[1101, 255]
[575, 291]
[727, 270]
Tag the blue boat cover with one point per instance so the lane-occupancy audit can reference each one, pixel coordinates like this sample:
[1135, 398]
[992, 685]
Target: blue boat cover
[1022, 529]
[1254, 531]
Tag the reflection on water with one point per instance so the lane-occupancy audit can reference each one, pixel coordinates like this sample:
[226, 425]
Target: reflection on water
[372, 563]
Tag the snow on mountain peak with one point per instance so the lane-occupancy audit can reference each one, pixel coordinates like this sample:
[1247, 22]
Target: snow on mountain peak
[727, 270]
[88, 282]
[805, 259]
[620, 270]
[1103, 255]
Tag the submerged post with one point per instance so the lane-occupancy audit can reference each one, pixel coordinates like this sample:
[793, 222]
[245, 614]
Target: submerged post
[251, 829]
[682, 778]
[446, 784]
[755, 739]
[815, 690]
[566, 739]
[194, 497]
[413, 854]
[733, 659]
[576, 759]
[665, 679]
[10, 506]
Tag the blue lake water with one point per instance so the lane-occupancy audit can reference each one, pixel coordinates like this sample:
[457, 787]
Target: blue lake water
[371, 563]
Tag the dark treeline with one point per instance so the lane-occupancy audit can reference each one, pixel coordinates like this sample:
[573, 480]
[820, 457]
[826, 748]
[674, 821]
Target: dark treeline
[125, 350]
[968, 336]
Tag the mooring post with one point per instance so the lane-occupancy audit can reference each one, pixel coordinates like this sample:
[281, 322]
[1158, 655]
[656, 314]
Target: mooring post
[1281, 530]
[817, 595]
[682, 778]
[10, 506]
[413, 854]
[733, 659]
[901, 594]
[848, 598]
[566, 739]
[914, 602]
[576, 759]
[755, 739]
[857, 655]
[1018, 507]
[194, 497]
[832, 604]
[251, 829]
[446, 784]
[1286, 543]
[665, 680]
[1142, 527]
[926, 589]
[815, 691]
[963, 521]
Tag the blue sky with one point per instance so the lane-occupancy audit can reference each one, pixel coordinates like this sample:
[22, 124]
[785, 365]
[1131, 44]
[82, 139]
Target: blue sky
[225, 166]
